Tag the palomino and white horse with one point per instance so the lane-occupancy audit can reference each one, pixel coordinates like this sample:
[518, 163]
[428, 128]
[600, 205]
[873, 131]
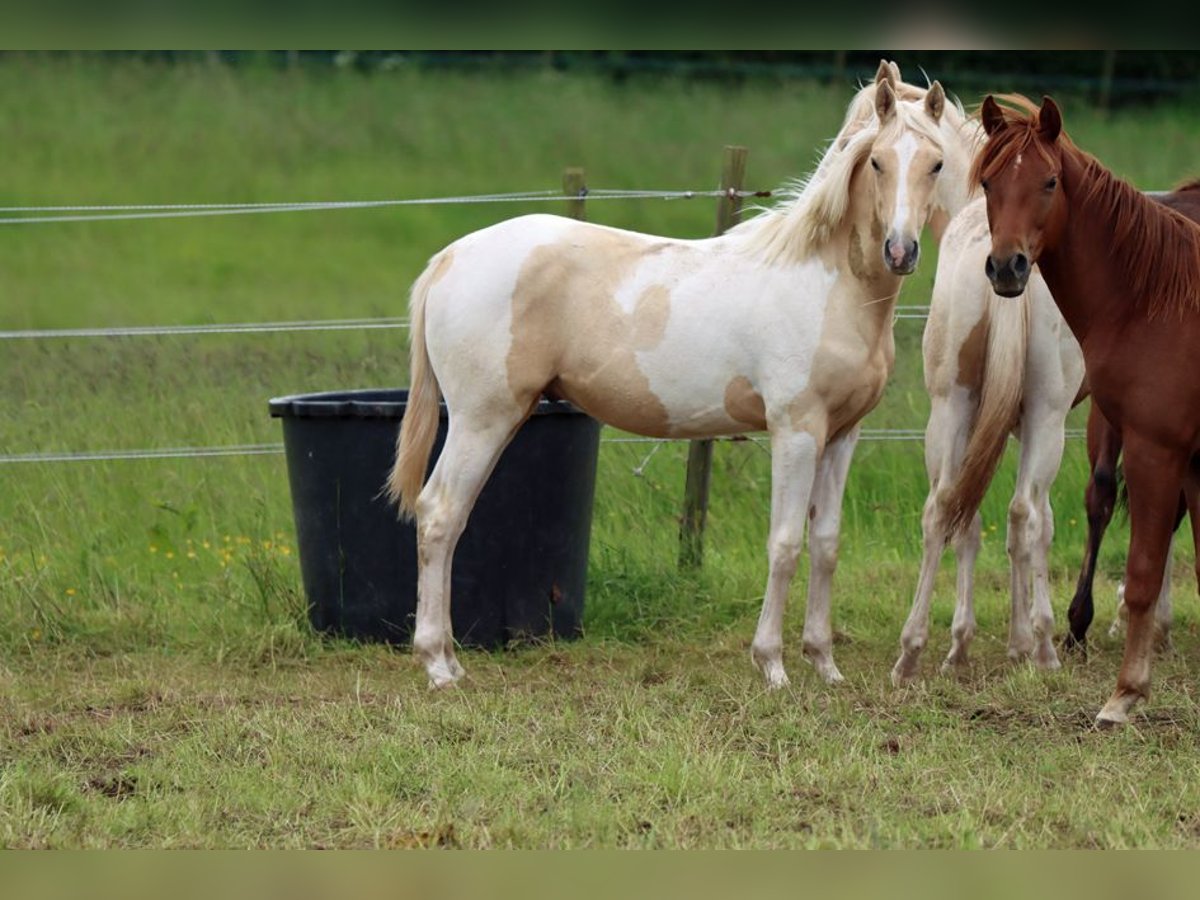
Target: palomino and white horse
[992, 366]
[784, 324]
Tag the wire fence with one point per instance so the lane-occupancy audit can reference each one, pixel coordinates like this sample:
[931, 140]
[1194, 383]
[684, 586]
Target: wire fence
[25, 215]
[40, 215]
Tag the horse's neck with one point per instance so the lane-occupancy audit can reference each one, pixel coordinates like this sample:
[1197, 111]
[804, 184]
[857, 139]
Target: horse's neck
[1087, 279]
[960, 140]
[857, 251]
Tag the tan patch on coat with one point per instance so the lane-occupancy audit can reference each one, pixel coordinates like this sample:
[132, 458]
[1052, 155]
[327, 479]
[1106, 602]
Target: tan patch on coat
[572, 339]
[650, 315]
[933, 345]
[856, 349]
[856, 258]
[744, 404]
[972, 356]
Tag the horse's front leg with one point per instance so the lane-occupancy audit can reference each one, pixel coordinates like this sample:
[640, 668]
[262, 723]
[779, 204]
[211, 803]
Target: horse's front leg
[1155, 477]
[825, 515]
[1103, 448]
[794, 456]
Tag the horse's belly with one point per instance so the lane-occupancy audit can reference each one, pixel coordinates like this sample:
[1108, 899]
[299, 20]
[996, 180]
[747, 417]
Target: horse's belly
[626, 400]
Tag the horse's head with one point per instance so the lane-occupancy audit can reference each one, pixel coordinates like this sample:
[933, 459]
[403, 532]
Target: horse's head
[1020, 170]
[905, 161]
[961, 134]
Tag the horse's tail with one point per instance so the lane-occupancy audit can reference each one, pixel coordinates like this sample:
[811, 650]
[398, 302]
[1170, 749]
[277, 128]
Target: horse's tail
[418, 429]
[1001, 387]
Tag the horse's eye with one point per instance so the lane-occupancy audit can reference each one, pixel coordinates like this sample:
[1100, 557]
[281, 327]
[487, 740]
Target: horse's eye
[937, 168]
[875, 164]
[1051, 182]
[984, 184]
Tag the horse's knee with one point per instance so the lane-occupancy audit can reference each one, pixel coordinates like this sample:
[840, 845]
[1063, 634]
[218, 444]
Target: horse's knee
[823, 550]
[783, 550]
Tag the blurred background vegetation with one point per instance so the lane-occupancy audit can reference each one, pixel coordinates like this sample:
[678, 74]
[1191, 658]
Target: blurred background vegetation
[1116, 77]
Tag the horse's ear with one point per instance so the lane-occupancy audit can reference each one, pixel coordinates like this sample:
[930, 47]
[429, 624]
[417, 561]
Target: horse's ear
[885, 102]
[886, 72]
[935, 101]
[991, 115]
[1049, 120]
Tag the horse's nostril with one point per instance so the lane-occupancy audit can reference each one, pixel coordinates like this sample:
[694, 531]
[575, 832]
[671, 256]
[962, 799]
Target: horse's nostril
[1021, 264]
[989, 268]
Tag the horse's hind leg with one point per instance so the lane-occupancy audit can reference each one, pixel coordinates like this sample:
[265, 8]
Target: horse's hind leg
[824, 530]
[962, 628]
[793, 467]
[1030, 532]
[1103, 448]
[946, 437]
[473, 444]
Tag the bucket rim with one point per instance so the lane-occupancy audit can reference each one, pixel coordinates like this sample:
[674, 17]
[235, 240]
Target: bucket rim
[376, 403]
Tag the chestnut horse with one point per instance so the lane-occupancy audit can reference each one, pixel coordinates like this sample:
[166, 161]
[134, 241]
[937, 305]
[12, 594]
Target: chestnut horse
[783, 323]
[1125, 273]
[1104, 449]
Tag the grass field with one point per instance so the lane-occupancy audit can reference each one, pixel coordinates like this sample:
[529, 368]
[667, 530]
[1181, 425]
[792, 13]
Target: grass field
[159, 685]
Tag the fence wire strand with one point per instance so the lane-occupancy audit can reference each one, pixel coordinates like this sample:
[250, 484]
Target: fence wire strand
[153, 453]
[35, 215]
[373, 323]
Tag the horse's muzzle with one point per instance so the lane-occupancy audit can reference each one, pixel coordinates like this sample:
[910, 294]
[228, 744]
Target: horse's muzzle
[901, 256]
[1009, 276]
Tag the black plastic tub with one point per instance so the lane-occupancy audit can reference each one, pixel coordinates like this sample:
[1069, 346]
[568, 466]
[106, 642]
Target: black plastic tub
[521, 565]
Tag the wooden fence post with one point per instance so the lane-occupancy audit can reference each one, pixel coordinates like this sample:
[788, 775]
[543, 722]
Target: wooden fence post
[699, 464]
[575, 186]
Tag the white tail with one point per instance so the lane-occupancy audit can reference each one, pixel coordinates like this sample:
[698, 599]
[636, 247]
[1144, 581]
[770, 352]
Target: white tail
[1001, 390]
[418, 429]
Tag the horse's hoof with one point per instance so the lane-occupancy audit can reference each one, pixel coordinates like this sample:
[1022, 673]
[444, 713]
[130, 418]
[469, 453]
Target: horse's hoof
[1046, 659]
[1116, 710]
[1074, 645]
[830, 673]
[1017, 655]
[443, 675]
[776, 678]
[903, 673]
[956, 667]
[1107, 720]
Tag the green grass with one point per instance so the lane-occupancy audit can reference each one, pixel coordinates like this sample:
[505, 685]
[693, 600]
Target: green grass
[159, 685]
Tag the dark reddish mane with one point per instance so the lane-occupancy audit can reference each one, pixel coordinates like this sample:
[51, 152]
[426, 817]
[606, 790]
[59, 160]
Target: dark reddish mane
[1158, 247]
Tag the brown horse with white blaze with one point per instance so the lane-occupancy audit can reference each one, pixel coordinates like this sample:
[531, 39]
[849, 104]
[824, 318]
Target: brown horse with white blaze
[1125, 273]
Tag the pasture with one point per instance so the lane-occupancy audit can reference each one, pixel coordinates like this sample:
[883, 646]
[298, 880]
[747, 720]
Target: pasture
[159, 685]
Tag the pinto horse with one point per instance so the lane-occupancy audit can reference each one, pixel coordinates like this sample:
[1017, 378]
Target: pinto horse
[992, 367]
[783, 323]
[1125, 273]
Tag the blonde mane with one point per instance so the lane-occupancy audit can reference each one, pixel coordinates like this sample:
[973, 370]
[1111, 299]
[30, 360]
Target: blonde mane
[812, 209]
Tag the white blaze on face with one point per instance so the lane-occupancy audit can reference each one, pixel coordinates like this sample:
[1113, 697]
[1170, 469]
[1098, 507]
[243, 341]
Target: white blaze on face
[906, 148]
